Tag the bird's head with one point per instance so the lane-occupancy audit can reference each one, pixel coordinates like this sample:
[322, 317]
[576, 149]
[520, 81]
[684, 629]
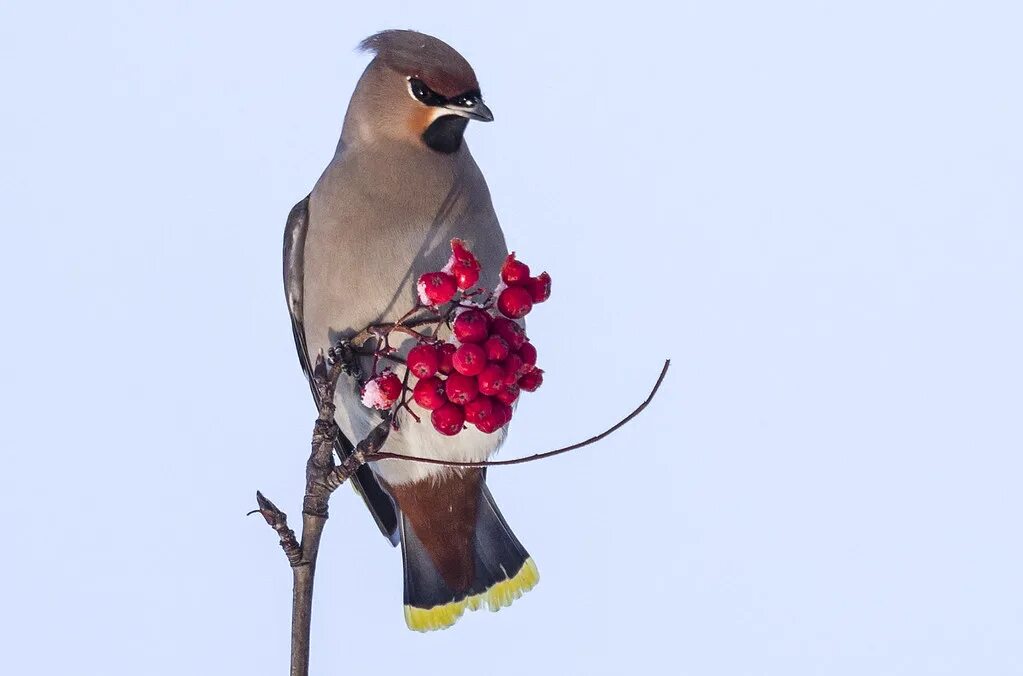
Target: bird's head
[418, 89]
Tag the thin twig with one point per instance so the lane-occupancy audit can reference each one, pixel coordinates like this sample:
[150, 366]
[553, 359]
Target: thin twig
[373, 330]
[278, 520]
[385, 455]
[366, 449]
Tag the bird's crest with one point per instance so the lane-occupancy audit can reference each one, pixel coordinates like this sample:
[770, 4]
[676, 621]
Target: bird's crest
[419, 55]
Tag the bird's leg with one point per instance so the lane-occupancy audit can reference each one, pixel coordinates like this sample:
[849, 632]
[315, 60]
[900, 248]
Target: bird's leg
[343, 352]
[366, 451]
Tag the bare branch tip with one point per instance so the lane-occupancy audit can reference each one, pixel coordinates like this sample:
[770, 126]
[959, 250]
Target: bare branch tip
[265, 504]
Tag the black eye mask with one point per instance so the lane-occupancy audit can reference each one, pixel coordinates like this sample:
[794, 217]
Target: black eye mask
[431, 98]
[445, 133]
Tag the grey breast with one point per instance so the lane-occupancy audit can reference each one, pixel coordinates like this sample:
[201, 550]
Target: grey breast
[378, 221]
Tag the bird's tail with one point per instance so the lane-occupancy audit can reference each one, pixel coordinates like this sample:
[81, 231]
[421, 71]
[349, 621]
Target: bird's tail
[495, 570]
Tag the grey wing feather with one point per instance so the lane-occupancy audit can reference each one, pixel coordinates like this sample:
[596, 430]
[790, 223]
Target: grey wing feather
[378, 502]
[294, 247]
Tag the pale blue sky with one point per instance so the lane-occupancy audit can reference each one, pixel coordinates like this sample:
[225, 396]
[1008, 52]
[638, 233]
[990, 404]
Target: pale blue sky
[814, 209]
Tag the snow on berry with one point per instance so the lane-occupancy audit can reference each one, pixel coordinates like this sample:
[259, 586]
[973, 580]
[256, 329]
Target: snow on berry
[514, 271]
[448, 419]
[462, 265]
[515, 302]
[460, 255]
[381, 392]
[539, 287]
[436, 288]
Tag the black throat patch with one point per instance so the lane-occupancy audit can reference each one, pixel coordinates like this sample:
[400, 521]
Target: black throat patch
[445, 133]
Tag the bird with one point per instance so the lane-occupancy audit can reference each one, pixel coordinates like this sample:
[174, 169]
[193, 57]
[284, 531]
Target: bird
[400, 186]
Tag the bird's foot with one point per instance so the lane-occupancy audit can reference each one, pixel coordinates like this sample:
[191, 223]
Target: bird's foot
[344, 353]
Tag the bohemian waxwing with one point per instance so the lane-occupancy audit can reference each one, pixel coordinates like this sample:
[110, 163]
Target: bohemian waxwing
[400, 186]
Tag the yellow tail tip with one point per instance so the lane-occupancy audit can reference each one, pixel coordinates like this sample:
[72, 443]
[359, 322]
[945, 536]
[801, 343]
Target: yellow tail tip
[498, 596]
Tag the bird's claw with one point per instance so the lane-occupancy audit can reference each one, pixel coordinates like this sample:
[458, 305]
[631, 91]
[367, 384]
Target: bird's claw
[344, 353]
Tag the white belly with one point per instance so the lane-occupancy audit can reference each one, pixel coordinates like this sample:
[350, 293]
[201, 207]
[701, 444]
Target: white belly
[411, 438]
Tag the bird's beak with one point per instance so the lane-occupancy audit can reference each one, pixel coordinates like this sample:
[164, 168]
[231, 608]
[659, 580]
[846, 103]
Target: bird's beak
[477, 110]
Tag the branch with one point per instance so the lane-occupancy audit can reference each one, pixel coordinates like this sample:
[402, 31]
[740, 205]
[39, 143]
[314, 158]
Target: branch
[384, 455]
[322, 479]
[324, 476]
[367, 449]
[278, 520]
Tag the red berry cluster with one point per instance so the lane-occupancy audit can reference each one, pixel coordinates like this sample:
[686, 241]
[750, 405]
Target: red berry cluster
[477, 375]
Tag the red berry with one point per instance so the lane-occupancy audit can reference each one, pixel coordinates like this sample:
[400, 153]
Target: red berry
[493, 418]
[515, 302]
[528, 354]
[514, 368]
[491, 379]
[532, 381]
[469, 359]
[390, 385]
[447, 352]
[465, 276]
[496, 348]
[508, 393]
[512, 333]
[381, 392]
[479, 409]
[429, 393]
[463, 265]
[436, 288]
[514, 272]
[460, 255]
[448, 419]
[423, 360]
[461, 389]
[503, 413]
[471, 326]
[490, 424]
[539, 287]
